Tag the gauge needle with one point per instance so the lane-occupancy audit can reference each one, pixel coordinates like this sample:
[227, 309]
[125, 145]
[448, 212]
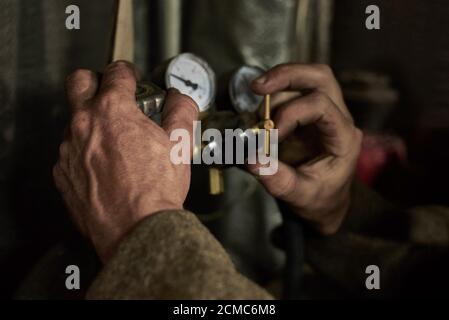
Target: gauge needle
[188, 83]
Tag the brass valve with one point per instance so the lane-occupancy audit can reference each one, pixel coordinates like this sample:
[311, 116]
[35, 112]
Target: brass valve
[216, 181]
[268, 124]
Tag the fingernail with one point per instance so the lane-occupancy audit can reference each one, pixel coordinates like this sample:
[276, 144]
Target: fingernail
[174, 90]
[261, 80]
[122, 63]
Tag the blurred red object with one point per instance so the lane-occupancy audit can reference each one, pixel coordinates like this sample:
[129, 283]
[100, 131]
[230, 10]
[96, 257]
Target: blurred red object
[378, 152]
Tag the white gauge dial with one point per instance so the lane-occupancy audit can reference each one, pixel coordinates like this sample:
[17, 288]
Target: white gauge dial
[192, 76]
[242, 97]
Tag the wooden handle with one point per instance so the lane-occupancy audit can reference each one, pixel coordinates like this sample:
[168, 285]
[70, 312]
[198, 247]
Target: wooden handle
[123, 40]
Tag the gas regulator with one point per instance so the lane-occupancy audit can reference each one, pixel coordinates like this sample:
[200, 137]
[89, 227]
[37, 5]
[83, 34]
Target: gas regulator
[235, 107]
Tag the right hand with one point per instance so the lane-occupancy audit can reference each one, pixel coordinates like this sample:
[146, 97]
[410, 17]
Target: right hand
[114, 167]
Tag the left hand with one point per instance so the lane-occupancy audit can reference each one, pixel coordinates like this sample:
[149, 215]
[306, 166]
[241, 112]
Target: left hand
[319, 189]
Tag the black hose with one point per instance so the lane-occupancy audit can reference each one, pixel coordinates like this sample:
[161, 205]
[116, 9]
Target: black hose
[293, 243]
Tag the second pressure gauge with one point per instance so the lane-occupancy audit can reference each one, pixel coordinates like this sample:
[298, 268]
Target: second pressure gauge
[242, 97]
[192, 76]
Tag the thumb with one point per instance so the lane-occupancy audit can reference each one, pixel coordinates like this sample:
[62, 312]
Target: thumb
[282, 185]
[179, 112]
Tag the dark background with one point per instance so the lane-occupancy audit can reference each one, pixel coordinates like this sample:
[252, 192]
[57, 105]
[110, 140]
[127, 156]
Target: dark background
[412, 47]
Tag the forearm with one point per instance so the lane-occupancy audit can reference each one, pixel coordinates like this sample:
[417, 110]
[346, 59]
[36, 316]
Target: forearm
[171, 255]
[370, 213]
[402, 243]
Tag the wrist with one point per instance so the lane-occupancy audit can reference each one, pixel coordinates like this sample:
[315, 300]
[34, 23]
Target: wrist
[332, 220]
[106, 238]
[327, 221]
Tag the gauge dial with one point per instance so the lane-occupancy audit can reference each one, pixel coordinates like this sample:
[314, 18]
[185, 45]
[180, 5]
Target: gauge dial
[192, 76]
[242, 97]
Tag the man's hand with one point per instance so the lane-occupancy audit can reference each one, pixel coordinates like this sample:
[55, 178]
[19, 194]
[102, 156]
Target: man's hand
[319, 189]
[114, 167]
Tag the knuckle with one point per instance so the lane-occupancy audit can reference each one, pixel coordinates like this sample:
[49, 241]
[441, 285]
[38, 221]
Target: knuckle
[79, 124]
[79, 76]
[283, 68]
[289, 186]
[188, 101]
[280, 188]
[190, 110]
[121, 70]
[63, 149]
[108, 100]
[59, 179]
[110, 96]
[115, 67]
[181, 108]
[358, 134]
[353, 142]
[324, 74]
[319, 100]
[184, 103]
[324, 71]
[56, 171]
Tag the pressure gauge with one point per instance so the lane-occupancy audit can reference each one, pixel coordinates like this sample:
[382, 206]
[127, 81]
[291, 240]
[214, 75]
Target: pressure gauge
[242, 97]
[192, 76]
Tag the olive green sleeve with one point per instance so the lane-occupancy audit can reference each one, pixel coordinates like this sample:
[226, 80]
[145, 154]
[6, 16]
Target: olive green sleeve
[171, 255]
[408, 246]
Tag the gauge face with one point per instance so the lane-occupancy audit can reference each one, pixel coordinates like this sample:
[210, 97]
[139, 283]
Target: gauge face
[242, 97]
[192, 76]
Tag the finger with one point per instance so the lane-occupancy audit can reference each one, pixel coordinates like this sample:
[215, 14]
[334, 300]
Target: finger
[283, 184]
[318, 109]
[278, 99]
[60, 178]
[81, 86]
[119, 77]
[63, 151]
[281, 98]
[294, 77]
[179, 112]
